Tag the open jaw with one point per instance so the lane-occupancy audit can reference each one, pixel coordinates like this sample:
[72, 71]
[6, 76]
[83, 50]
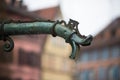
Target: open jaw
[75, 43]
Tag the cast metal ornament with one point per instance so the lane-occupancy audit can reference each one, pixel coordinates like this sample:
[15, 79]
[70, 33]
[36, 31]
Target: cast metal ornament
[68, 31]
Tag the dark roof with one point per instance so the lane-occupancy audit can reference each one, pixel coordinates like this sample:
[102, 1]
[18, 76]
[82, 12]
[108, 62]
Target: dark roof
[48, 13]
[22, 12]
[114, 24]
[101, 40]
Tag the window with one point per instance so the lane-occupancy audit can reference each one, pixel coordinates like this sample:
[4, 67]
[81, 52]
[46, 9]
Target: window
[87, 75]
[113, 33]
[29, 58]
[114, 73]
[33, 59]
[115, 52]
[102, 74]
[105, 54]
[84, 57]
[91, 75]
[77, 76]
[94, 55]
[118, 32]
[84, 76]
[22, 57]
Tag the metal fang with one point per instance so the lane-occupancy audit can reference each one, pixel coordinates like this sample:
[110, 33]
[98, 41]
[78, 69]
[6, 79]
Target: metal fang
[75, 50]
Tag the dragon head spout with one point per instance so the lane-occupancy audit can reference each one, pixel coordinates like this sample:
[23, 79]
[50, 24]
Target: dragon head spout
[76, 39]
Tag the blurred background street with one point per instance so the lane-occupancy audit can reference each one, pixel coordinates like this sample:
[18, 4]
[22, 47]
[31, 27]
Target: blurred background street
[44, 57]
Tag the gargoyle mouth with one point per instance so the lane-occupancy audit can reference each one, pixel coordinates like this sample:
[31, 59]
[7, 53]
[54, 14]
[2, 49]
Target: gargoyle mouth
[75, 43]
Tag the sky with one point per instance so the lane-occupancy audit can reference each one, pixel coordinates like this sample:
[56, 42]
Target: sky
[93, 15]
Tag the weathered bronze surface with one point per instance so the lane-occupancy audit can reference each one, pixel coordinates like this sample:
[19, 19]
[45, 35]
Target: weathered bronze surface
[59, 28]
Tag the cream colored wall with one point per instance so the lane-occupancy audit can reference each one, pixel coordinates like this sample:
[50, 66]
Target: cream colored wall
[48, 75]
[57, 44]
[56, 64]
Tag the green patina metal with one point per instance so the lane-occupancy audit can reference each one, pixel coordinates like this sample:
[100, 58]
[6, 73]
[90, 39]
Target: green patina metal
[59, 28]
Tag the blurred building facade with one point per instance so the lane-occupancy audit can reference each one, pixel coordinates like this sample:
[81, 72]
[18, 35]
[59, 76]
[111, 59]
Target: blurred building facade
[23, 63]
[101, 60]
[56, 64]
